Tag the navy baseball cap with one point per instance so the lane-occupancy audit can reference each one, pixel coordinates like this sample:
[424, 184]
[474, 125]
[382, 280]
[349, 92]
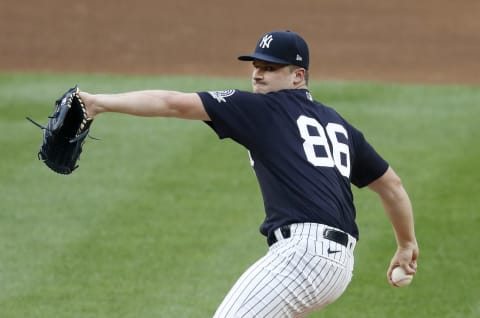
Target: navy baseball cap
[282, 47]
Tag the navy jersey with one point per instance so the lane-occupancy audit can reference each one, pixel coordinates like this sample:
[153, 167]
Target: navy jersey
[304, 154]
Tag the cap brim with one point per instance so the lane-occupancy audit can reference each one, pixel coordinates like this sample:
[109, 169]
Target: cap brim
[262, 57]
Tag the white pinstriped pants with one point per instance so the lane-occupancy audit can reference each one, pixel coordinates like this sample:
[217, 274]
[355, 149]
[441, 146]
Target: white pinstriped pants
[297, 276]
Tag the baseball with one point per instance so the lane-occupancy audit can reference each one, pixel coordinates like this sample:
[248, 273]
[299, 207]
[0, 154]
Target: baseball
[400, 278]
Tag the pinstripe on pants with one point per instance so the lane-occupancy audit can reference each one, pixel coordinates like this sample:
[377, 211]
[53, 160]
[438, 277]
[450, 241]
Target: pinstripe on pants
[297, 276]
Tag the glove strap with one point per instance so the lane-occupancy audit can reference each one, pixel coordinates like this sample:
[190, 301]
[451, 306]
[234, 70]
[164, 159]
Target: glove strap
[35, 123]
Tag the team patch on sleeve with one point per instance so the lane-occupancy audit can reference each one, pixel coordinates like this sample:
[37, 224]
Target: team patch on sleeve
[221, 95]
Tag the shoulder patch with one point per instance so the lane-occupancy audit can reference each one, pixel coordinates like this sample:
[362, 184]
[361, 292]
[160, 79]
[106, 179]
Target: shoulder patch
[221, 95]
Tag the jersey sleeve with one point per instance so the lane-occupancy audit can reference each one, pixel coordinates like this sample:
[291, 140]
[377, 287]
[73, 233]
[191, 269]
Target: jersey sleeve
[368, 165]
[235, 114]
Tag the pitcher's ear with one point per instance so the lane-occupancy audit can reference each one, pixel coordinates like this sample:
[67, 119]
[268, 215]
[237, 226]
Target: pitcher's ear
[300, 74]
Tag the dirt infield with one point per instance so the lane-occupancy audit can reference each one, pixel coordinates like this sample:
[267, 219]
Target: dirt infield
[436, 41]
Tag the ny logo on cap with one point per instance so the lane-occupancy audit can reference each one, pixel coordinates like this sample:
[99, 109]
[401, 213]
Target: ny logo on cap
[266, 41]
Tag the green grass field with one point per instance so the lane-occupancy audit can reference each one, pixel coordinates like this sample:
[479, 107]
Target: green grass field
[162, 217]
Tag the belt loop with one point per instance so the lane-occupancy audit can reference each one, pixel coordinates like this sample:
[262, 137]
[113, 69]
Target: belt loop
[282, 232]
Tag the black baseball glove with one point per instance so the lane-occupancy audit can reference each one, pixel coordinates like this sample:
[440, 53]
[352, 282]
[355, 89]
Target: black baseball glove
[65, 133]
